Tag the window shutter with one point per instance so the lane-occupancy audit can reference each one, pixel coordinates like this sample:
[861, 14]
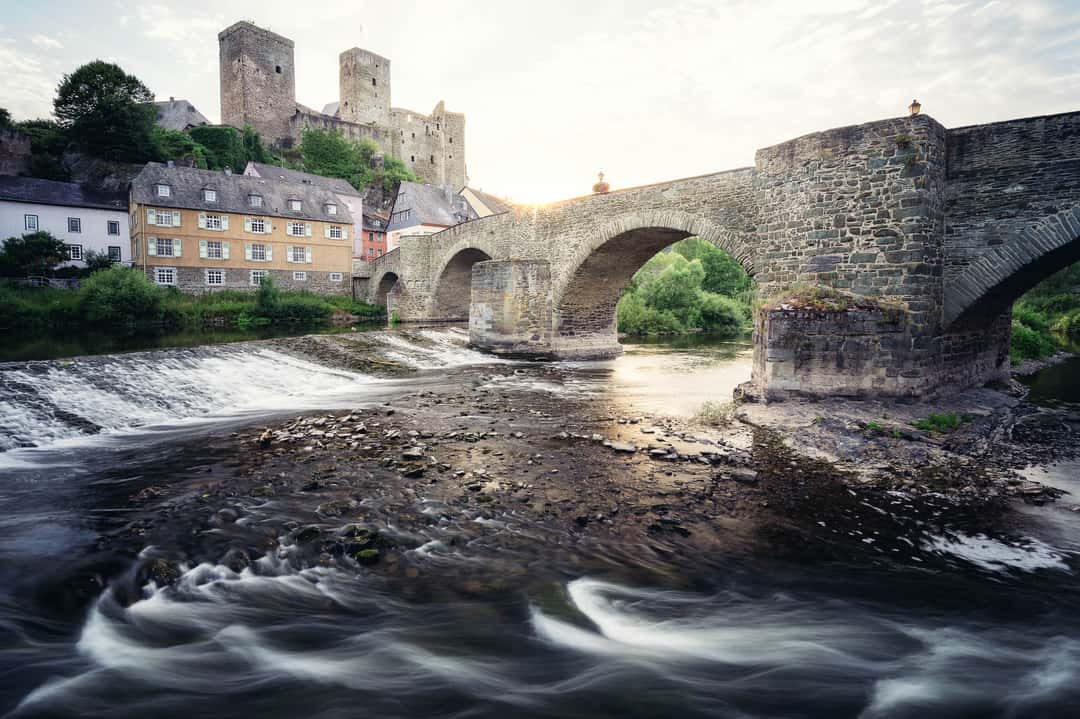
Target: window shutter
[225, 222]
[224, 250]
[269, 253]
[176, 218]
[307, 229]
[176, 248]
[247, 250]
[326, 231]
[151, 245]
[288, 253]
[151, 217]
[307, 255]
[344, 233]
[202, 220]
[202, 249]
[247, 224]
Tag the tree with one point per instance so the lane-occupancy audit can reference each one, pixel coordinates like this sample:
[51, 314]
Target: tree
[35, 253]
[107, 112]
[47, 144]
[95, 261]
[330, 154]
[178, 146]
[5, 119]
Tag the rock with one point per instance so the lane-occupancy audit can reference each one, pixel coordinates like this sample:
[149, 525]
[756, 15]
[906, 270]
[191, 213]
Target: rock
[413, 453]
[648, 430]
[236, 559]
[597, 438]
[265, 438]
[628, 447]
[161, 572]
[336, 507]
[413, 472]
[743, 475]
[308, 534]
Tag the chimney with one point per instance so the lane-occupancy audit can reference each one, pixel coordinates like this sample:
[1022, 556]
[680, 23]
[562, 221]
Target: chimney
[170, 163]
[228, 170]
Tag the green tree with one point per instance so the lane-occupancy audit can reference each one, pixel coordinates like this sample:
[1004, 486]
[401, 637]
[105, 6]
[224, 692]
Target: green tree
[107, 112]
[97, 261]
[5, 119]
[179, 147]
[120, 296]
[330, 154]
[47, 144]
[35, 253]
[723, 274]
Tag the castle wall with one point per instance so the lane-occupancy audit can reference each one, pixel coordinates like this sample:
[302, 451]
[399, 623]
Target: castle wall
[258, 80]
[364, 80]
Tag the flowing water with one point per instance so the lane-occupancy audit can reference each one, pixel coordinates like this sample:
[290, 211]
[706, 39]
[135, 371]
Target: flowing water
[962, 624]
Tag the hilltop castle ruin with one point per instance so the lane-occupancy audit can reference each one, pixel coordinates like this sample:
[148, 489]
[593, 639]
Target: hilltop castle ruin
[258, 88]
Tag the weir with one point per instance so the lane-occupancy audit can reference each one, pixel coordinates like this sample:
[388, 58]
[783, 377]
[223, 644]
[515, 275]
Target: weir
[930, 233]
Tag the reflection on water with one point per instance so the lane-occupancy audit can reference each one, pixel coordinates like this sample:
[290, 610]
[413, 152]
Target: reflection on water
[1058, 385]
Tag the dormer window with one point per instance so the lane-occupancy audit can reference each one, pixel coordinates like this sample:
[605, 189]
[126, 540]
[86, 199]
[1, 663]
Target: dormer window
[295, 205]
[255, 200]
[331, 209]
[164, 191]
[209, 195]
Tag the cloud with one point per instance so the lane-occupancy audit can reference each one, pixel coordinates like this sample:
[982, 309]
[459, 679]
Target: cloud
[46, 42]
[27, 88]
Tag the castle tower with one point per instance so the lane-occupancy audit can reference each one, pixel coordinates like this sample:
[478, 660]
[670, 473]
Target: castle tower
[258, 80]
[365, 88]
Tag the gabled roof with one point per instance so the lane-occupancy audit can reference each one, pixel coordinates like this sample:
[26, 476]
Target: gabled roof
[331, 109]
[66, 194]
[273, 172]
[428, 205]
[187, 184]
[178, 115]
[497, 205]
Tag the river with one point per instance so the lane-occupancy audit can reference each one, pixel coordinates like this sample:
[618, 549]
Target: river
[958, 624]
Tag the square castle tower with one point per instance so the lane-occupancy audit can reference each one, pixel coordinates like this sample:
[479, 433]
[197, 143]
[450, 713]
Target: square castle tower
[258, 88]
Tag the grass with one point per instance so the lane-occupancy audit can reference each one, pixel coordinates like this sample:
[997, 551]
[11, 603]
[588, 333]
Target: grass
[941, 422]
[716, 413]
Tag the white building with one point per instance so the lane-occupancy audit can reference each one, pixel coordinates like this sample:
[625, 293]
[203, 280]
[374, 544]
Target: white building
[85, 220]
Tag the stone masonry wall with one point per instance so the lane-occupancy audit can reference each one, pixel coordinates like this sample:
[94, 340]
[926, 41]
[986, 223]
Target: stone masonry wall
[192, 280]
[510, 312]
[14, 152]
[258, 80]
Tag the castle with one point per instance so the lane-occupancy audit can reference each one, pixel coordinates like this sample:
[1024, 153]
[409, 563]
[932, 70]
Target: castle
[258, 88]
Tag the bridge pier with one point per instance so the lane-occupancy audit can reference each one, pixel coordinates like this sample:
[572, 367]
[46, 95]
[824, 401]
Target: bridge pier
[510, 309]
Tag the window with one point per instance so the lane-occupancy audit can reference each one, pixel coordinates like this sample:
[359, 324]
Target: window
[298, 254]
[335, 233]
[255, 200]
[299, 276]
[30, 222]
[209, 195]
[371, 237]
[256, 277]
[296, 229]
[258, 253]
[115, 254]
[335, 277]
[112, 227]
[165, 275]
[256, 225]
[412, 158]
[277, 69]
[213, 222]
[432, 159]
[451, 141]
[331, 209]
[215, 277]
[371, 252]
[74, 224]
[213, 251]
[163, 218]
[373, 83]
[163, 247]
[164, 191]
[74, 252]
[295, 205]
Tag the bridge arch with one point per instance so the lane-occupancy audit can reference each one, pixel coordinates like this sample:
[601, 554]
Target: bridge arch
[988, 287]
[587, 292]
[453, 283]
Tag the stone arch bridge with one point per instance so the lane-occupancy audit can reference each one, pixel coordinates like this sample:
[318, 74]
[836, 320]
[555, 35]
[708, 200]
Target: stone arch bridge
[930, 233]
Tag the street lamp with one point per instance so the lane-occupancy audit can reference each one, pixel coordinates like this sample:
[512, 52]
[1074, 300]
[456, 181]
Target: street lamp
[914, 107]
[600, 185]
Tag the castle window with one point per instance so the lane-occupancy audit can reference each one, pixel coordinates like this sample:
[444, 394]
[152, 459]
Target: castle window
[451, 141]
[414, 136]
[438, 126]
[373, 83]
[432, 159]
[277, 69]
[412, 158]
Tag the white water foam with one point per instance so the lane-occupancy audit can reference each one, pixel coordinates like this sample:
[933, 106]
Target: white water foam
[433, 349]
[1026, 554]
[45, 404]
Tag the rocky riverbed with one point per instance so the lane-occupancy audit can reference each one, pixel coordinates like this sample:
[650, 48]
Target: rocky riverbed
[503, 461]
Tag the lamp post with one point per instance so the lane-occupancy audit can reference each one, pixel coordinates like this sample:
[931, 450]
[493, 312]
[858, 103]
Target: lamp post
[600, 185]
[914, 107]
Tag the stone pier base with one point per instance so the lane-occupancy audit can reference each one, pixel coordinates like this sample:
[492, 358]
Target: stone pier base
[510, 313]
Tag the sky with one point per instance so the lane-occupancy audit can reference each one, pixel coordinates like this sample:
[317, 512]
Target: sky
[555, 91]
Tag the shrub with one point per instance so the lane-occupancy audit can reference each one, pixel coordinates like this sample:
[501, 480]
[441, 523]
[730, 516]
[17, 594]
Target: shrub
[722, 314]
[120, 296]
[37, 308]
[638, 318]
[1030, 343]
[939, 422]
[34, 253]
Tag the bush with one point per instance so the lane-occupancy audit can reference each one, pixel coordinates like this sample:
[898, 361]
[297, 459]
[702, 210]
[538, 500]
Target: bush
[939, 422]
[35, 253]
[722, 314]
[120, 296]
[1029, 343]
[37, 308]
[638, 318]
